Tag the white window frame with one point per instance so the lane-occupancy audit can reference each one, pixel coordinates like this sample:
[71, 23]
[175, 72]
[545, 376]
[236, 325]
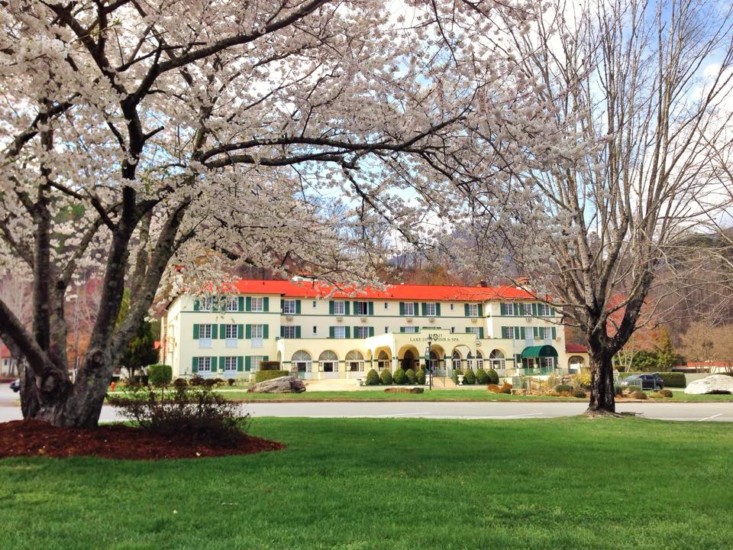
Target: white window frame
[339, 333]
[205, 331]
[410, 309]
[431, 309]
[361, 332]
[257, 304]
[409, 330]
[339, 307]
[290, 307]
[204, 365]
[206, 303]
[257, 336]
[358, 305]
[254, 362]
[473, 310]
[233, 303]
[231, 334]
[290, 331]
[227, 366]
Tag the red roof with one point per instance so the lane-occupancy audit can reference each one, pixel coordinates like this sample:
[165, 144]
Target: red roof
[575, 348]
[314, 289]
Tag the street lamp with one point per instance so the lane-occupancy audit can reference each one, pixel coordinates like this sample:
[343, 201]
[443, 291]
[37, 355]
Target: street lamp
[428, 364]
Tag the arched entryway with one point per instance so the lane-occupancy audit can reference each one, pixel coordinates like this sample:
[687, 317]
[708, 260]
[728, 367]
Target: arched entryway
[408, 361]
[383, 360]
[575, 363]
[329, 364]
[497, 360]
[354, 361]
[301, 363]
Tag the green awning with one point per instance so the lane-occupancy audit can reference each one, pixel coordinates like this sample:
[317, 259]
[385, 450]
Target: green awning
[538, 351]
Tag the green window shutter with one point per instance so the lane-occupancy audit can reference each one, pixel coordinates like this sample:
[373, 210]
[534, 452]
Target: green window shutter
[347, 308]
[534, 310]
[522, 333]
[214, 335]
[402, 308]
[402, 329]
[248, 363]
[248, 301]
[248, 331]
[282, 306]
[196, 331]
[282, 331]
[554, 332]
[371, 308]
[266, 304]
[297, 307]
[332, 332]
[213, 364]
[240, 363]
[481, 332]
[371, 331]
[222, 332]
[424, 309]
[416, 309]
[503, 308]
[348, 332]
[297, 332]
[481, 310]
[265, 332]
[465, 310]
[536, 332]
[504, 332]
[437, 309]
[195, 365]
[330, 307]
[240, 304]
[196, 304]
[240, 331]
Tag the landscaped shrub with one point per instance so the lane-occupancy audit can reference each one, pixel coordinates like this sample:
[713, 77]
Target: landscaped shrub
[674, 379]
[482, 377]
[269, 365]
[493, 376]
[197, 380]
[262, 375]
[420, 376]
[638, 394]
[231, 381]
[372, 378]
[582, 379]
[469, 377]
[580, 394]
[618, 390]
[180, 383]
[454, 375]
[411, 376]
[399, 376]
[386, 377]
[506, 387]
[494, 388]
[197, 412]
[160, 375]
[666, 393]
[563, 388]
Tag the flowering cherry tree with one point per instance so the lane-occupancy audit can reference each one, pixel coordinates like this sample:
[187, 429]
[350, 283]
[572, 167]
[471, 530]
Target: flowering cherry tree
[140, 133]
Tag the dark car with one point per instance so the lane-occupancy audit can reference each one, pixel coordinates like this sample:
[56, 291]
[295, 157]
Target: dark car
[646, 381]
[15, 385]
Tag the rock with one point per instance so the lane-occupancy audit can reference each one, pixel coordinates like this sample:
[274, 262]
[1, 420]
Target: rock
[404, 390]
[284, 384]
[716, 383]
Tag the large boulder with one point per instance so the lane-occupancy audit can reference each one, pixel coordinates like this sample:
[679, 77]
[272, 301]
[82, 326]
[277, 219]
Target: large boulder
[284, 384]
[715, 383]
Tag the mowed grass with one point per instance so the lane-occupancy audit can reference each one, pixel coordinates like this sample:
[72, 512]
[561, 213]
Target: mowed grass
[394, 483]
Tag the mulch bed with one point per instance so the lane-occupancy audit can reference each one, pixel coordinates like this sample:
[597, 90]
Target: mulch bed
[36, 438]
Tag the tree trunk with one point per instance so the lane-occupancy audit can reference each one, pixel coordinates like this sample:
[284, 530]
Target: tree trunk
[61, 403]
[602, 394]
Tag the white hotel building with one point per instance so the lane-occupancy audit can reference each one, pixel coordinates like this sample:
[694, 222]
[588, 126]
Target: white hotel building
[321, 332]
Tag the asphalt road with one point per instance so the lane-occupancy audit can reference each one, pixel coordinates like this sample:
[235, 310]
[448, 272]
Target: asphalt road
[696, 412]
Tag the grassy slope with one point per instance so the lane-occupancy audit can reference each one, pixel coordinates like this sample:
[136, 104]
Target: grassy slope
[569, 483]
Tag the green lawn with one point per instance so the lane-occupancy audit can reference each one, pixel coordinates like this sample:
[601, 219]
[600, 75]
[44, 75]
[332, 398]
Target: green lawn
[413, 484]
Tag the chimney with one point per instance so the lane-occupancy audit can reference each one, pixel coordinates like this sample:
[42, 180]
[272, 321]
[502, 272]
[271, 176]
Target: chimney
[483, 284]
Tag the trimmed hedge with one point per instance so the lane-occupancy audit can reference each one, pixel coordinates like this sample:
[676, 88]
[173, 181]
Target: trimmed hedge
[399, 377]
[469, 377]
[270, 365]
[420, 376]
[493, 376]
[386, 377]
[372, 378]
[160, 375]
[674, 379]
[482, 377]
[262, 375]
[411, 376]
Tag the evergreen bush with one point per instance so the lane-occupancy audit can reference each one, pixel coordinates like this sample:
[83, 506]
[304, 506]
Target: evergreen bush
[482, 377]
[372, 378]
[674, 379]
[563, 388]
[493, 376]
[411, 377]
[420, 376]
[399, 377]
[580, 394]
[386, 377]
[469, 377]
[160, 375]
